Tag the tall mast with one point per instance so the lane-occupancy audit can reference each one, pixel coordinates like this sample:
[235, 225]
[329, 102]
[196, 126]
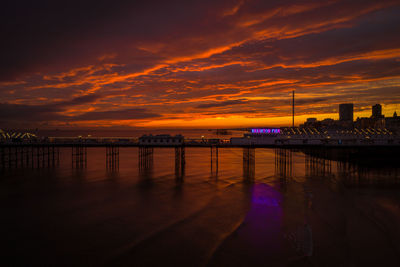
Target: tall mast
[293, 109]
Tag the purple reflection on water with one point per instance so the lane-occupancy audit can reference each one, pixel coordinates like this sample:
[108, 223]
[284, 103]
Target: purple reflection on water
[263, 223]
[265, 204]
[266, 201]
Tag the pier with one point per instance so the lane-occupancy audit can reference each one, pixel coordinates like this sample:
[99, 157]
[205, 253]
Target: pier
[365, 145]
[45, 154]
[318, 160]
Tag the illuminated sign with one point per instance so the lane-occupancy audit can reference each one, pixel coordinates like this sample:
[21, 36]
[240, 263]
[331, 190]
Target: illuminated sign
[266, 131]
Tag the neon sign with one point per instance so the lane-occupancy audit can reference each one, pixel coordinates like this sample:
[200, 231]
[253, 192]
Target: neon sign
[266, 131]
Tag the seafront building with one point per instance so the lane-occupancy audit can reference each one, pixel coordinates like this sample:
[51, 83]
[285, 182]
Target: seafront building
[377, 111]
[378, 120]
[374, 130]
[393, 122]
[345, 122]
[346, 112]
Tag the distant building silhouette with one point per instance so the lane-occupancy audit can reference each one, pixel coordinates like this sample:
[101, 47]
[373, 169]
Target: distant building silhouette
[393, 122]
[377, 111]
[346, 112]
[377, 120]
[313, 122]
[365, 122]
[328, 122]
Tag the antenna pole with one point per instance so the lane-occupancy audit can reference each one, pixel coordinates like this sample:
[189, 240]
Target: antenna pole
[293, 109]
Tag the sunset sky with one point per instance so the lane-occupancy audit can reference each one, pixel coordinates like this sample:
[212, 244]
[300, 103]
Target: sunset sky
[67, 64]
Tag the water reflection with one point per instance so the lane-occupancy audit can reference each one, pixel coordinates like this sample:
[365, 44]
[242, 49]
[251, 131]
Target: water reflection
[315, 166]
[283, 207]
[351, 174]
[259, 238]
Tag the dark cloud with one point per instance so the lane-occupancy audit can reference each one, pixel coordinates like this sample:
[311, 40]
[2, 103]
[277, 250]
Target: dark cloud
[43, 112]
[53, 112]
[29, 113]
[50, 36]
[222, 103]
[79, 100]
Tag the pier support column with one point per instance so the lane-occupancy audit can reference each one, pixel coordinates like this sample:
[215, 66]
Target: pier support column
[283, 162]
[248, 164]
[145, 160]
[317, 163]
[180, 162]
[214, 161]
[2, 157]
[27, 155]
[112, 157]
[79, 156]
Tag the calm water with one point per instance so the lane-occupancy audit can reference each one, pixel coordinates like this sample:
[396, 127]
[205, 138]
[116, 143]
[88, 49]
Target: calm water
[257, 207]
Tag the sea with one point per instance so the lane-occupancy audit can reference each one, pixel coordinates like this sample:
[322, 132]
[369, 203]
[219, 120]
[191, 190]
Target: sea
[199, 207]
[137, 132]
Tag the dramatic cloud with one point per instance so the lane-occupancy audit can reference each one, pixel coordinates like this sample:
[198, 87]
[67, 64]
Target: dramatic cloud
[17, 113]
[195, 63]
[125, 114]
